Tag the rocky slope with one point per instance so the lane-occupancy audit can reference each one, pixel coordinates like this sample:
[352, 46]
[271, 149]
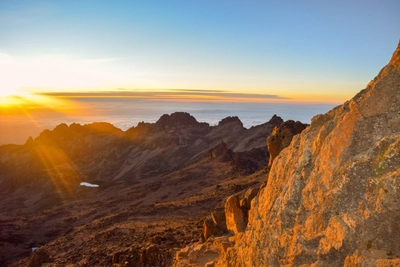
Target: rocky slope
[332, 196]
[156, 184]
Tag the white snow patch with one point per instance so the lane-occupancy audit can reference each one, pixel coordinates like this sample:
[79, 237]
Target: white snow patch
[34, 248]
[89, 185]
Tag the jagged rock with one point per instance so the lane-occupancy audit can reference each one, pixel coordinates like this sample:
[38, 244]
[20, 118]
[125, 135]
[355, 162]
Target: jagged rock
[236, 220]
[281, 137]
[209, 228]
[245, 202]
[214, 224]
[228, 120]
[332, 195]
[219, 220]
[175, 120]
[275, 120]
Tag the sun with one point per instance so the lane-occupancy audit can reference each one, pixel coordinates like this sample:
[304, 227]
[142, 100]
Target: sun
[8, 92]
[10, 97]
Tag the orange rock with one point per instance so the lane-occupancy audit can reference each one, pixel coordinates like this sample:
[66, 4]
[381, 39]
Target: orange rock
[332, 195]
[236, 220]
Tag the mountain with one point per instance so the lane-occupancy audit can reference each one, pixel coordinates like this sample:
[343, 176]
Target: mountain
[332, 196]
[156, 183]
[183, 193]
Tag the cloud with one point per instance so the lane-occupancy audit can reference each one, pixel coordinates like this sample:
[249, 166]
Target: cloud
[183, 95]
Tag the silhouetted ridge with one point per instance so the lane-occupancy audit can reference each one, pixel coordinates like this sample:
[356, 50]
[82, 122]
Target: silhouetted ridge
[230, 119]
[176, 120]
[275, 120]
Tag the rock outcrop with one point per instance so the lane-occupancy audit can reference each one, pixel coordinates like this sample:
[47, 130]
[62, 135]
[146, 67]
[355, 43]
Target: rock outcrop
[245, 162]
[236, 220]
[281, 137]
[332, 197]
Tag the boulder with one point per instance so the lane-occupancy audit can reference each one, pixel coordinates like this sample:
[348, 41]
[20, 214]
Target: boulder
[236, 220]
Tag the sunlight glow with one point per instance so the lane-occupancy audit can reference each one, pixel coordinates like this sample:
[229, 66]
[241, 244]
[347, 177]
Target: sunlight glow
[52, 73]
[60, 169]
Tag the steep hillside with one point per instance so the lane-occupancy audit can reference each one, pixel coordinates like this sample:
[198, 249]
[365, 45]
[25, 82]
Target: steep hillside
[332, 197]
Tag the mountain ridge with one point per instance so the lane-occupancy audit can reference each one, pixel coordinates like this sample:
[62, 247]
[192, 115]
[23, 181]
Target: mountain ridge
[148, 175]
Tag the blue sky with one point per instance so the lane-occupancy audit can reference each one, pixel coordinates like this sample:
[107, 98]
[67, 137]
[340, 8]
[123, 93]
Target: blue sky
[303, 50]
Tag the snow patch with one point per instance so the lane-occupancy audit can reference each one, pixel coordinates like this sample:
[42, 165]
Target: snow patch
[89, 185]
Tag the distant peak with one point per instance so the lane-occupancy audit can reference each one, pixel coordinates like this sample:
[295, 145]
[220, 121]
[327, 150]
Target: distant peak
[230, 119]
[176, 119]
[275, 120]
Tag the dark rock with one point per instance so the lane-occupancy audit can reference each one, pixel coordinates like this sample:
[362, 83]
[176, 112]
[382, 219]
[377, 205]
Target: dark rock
[209, 228]
[221, 152]
[245, 202]
[219, 219]
[175, 120]
[281, 137]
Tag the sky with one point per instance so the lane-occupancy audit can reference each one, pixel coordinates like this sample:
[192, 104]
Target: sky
[319, 51]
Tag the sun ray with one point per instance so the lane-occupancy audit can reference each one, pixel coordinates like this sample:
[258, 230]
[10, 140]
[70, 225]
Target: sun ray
[59, 168]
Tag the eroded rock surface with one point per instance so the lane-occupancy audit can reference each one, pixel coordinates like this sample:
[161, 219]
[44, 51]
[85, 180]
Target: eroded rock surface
[332, 197]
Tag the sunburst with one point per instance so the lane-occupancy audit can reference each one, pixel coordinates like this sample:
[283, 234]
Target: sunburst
[9, 97]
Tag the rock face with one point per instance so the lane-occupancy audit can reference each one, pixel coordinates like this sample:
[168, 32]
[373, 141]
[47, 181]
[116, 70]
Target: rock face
[332, 197]
[281, 137]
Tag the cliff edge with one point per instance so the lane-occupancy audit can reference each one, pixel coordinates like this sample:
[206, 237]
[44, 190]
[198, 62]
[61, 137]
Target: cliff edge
[332, 197]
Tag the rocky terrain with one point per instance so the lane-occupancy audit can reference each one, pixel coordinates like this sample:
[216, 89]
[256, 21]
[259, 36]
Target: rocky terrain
[331, 197]
[157, 182]
[183, 193]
